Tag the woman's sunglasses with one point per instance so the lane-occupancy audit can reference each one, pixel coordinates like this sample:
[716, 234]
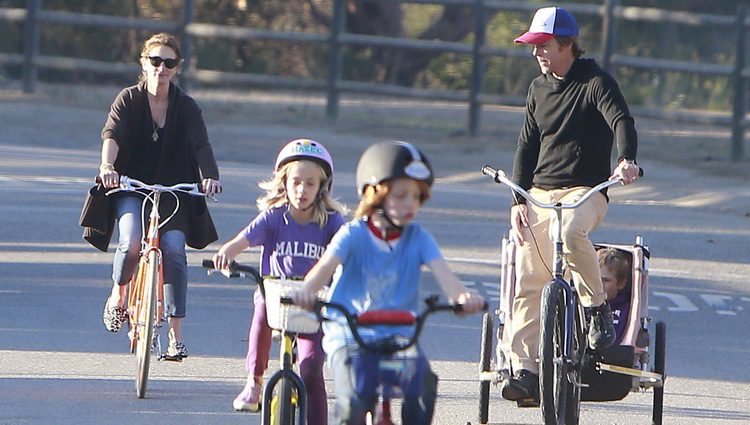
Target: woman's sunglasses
[168, 62]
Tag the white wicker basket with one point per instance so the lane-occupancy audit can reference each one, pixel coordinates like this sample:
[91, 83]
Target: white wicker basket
[283, 317]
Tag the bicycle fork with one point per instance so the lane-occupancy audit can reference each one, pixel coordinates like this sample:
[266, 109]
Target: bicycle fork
[286, 376]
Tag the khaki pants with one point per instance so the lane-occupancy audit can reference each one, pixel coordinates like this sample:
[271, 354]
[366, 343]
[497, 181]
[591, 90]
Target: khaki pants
[534, 265]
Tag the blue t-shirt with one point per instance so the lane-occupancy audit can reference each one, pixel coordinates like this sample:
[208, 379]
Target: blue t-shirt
[289, 249]
[373, 276]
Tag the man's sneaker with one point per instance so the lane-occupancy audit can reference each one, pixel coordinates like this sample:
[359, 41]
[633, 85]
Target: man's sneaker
[525, 385]
[113, 317]
[249, 399]
[176, 351]
[602, 327]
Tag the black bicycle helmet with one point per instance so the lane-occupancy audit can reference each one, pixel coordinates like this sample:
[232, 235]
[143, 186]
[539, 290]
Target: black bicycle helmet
[391, 160]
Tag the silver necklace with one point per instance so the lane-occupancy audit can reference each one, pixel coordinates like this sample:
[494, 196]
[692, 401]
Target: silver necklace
[155, 135]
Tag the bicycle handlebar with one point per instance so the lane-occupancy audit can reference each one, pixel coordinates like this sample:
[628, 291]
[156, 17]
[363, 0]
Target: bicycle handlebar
[499, 176]
[128, 184]
[236, 270]
[384, 317]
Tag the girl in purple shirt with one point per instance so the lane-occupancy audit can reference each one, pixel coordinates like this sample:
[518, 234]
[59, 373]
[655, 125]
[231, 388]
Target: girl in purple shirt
[297, 219]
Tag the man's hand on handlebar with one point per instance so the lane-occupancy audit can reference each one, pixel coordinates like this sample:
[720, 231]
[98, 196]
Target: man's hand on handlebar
[627, 171]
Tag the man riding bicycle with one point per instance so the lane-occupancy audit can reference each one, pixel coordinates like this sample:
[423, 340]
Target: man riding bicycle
[574, 112]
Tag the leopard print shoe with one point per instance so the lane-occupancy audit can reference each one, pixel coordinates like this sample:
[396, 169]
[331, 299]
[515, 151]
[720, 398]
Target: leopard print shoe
[113, 317]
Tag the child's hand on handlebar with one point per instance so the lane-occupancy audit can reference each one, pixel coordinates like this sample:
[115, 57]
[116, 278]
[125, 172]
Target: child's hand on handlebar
[304, 298]
[222, 261]
[471, 302]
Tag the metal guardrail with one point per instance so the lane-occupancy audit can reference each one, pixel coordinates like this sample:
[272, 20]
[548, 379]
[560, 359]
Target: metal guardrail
[33, 16]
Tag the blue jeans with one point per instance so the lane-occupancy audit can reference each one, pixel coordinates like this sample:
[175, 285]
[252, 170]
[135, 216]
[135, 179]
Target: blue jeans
[172, 244]
[351, 408]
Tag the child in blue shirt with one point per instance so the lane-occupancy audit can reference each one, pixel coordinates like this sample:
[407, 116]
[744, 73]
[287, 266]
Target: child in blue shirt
[380, 254]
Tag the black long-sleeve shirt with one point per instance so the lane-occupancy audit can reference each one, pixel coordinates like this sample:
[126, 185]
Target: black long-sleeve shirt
[569, 129]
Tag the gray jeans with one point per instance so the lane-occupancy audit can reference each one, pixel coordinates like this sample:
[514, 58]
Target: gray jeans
[172, 244]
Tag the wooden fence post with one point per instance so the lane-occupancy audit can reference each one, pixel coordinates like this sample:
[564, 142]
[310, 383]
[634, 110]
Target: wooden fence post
[609, 33]
[186, 42]
[334, 59]
[739, 108]
[477, 68]
[31, 45]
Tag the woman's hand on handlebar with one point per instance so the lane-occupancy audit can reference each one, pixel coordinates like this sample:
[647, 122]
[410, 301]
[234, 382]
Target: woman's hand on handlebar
[519, 220]
[210, 187]
[108, 176]
[471, 302]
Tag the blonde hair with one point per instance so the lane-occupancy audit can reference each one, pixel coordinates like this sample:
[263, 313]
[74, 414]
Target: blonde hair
[373, 197]
[276, 195]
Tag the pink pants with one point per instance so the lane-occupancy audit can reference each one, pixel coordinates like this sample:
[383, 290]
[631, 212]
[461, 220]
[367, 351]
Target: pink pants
[310, 357]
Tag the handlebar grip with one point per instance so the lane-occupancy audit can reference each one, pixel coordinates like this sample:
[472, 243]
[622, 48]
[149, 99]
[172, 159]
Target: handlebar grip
[209, 264]
[489, 171]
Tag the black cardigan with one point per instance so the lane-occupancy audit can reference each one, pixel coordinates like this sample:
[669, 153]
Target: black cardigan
[186, 156]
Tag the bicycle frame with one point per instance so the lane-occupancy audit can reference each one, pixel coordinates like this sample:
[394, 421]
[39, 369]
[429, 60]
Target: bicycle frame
[296, 394]
[150, 244]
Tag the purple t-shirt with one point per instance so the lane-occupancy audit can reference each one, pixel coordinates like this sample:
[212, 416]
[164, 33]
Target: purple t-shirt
[288, 248]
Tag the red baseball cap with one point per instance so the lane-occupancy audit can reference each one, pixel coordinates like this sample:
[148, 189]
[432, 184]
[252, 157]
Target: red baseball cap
[549, 22]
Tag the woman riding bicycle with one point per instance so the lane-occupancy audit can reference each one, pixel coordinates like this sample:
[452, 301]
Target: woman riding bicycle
[298, 217]
[155, 133]
[381, 253]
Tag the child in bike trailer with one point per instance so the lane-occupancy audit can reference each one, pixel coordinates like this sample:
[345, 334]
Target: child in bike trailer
[616, 276]
[298, 217]
[378, 256]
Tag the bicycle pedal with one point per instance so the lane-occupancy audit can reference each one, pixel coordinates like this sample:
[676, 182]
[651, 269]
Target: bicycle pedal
[527, 402]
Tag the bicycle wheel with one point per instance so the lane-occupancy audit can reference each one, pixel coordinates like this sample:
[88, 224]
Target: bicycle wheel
[144, 326]
[552, 370]
[286, 405]
[485, 351]
[660, 351]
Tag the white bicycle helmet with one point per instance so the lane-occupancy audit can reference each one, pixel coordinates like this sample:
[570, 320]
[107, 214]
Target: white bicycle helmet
[306, 149]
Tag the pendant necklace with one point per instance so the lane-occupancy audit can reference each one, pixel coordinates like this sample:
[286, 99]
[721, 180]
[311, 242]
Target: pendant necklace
[155, 135]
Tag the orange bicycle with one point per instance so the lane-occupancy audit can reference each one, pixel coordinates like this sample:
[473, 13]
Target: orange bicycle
[146, 288]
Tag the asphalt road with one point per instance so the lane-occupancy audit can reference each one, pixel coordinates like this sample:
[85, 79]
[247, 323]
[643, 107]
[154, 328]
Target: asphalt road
[59, 366]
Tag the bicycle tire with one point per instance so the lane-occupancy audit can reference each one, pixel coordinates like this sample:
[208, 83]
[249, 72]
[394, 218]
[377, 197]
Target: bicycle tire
[287, 407]
[573, 396]
[145, 323]
[552, 374]
[485, 360]
[660, 351]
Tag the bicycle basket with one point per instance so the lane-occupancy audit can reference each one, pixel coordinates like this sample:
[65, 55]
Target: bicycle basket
[283, 317]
